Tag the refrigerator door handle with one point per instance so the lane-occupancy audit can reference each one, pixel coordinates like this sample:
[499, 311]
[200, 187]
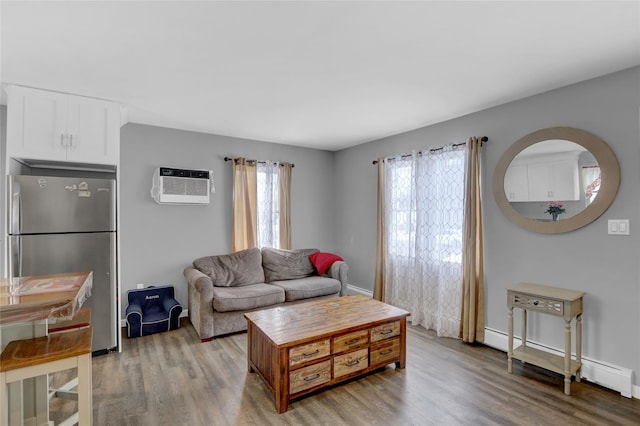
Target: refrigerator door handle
[14, 206]
[15, 260]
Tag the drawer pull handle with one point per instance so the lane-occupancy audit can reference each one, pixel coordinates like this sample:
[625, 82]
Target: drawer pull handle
[352, 363]
[386, 352]
[312, 378]
[384, 333]
[352, 341]
[317, 351]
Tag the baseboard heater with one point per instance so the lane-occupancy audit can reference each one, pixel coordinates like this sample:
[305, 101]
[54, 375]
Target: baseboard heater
[613, 377]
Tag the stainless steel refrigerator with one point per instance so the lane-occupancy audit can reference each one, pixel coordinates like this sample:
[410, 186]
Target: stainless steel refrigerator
[58, 225]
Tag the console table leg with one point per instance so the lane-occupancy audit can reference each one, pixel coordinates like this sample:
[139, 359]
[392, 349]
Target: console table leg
[579, 345]
[567, 357]
[510, 351]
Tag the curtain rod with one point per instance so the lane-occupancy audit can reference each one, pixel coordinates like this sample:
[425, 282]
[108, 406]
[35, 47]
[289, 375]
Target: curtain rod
[482, 141]
[255, 161]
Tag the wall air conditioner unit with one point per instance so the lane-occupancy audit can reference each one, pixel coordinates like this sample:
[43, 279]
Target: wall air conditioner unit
[181, 186]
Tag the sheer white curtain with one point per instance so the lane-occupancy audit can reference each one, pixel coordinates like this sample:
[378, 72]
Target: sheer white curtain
[268, 204]
[424, 219]
[591, 183]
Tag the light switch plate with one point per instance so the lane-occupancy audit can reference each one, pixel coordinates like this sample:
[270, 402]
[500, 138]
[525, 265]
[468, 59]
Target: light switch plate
[623, 226]
[618, 226]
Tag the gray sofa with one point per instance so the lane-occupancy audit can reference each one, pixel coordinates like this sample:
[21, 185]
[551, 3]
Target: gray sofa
[222, 288]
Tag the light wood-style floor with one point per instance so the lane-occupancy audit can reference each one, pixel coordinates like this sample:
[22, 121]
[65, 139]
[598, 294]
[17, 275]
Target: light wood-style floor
[173, 379]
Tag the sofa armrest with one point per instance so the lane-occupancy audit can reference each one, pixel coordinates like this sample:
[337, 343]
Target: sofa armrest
[339, 271]
[200, 304]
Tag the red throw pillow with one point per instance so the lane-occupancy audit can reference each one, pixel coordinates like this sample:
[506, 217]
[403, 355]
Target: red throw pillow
[323, 261]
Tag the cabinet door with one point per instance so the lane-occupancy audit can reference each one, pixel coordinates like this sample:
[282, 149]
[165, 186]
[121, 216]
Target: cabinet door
[516, 183]
[541, 182]
[94, 131]
[566, 181]
[36, 124]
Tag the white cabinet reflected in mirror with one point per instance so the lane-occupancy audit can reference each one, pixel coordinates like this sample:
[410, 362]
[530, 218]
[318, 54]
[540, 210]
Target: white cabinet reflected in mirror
[552, 180]
[556, 180]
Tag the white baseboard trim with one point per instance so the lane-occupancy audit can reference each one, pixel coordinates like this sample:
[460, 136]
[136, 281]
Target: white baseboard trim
[610, 376]
[123, 322]
[357, 290]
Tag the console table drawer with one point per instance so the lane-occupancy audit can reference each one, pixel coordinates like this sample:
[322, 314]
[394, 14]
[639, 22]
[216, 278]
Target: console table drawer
[536, 303]
[351, 341]
[385, 331]
[308, 377]
[384, 351]
[305, 353]
[350, 362]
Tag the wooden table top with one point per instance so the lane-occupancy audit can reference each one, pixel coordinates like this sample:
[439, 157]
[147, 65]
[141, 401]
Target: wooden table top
[55, 297]
[547, 291]
[295, 324]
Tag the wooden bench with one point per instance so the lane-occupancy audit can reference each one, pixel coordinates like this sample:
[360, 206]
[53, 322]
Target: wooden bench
[29, 358]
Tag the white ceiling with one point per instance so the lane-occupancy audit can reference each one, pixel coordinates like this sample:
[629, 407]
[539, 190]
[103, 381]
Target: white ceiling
[327, 75]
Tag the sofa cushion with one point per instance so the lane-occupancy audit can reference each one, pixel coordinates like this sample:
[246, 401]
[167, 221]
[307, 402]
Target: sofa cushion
[286, 264]
[226, 299]
[305, 288]
[235, 269]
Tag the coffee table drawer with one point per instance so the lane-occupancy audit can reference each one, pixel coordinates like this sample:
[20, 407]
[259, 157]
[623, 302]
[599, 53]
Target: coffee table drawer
[385, 331]
[305, 353]
[308, 377]
[350, 362]
[386, 350]
[351, 341]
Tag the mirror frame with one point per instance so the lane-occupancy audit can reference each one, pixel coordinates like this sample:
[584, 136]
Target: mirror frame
[609, 171]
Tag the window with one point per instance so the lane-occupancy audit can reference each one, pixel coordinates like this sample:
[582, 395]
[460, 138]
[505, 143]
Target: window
[424, 221]
[268, 206]
[591, 183]
[261, 204]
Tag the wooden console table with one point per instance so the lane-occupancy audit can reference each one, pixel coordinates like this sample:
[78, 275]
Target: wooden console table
[553, 301]
[301, 348]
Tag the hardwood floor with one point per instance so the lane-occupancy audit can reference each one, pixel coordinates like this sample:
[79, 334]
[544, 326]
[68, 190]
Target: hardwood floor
[173, 379]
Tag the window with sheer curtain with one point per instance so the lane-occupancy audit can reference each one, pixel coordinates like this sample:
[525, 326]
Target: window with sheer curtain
[424, 215]
[268, 206]
[591, 183]
[261, 204]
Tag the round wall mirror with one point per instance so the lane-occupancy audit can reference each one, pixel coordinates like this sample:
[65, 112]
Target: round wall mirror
[556, 180]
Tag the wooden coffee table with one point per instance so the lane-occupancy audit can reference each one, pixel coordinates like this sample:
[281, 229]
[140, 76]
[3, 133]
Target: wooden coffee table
[301, 348]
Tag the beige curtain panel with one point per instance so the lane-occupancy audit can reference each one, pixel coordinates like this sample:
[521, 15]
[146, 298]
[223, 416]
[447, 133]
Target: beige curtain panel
[284, 195]
[245, 218]
[472, 307]
[379, 277]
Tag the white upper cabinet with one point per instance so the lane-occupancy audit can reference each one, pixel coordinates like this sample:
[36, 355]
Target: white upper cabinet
[516, 183]
[554, 181]
[547, 178]
[56, 127]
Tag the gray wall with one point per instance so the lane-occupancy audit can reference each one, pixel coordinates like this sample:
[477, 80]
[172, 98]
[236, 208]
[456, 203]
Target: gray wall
[334, 209]
[158, 241]
[604, 266]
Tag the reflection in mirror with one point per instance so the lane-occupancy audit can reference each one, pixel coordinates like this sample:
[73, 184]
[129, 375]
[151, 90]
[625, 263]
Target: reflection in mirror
[552, 180]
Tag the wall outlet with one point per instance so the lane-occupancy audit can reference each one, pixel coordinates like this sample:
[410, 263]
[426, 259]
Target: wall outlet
[139, 285]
